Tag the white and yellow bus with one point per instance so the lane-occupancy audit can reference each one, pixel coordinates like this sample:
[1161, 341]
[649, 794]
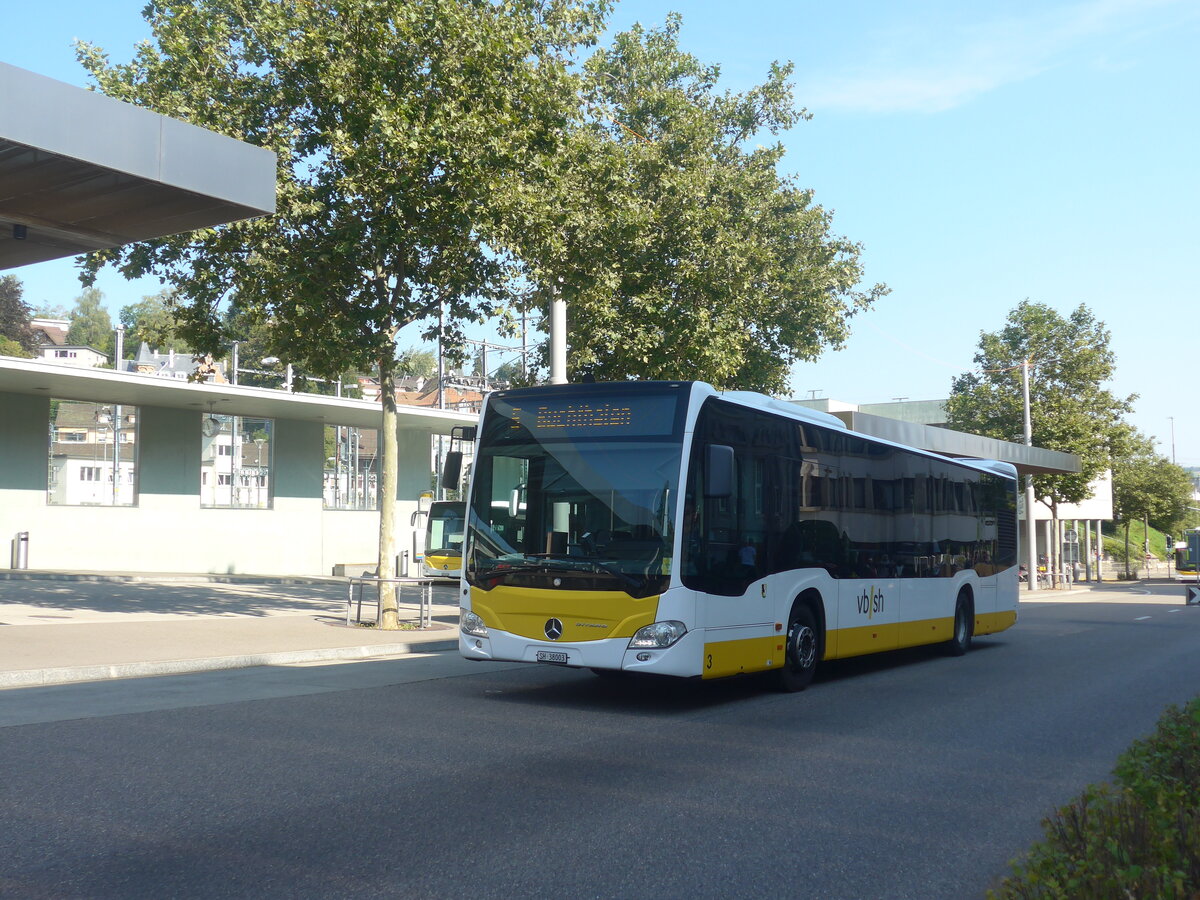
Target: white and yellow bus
[668, 528]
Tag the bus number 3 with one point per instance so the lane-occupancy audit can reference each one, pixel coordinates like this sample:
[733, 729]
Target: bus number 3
[708, 661]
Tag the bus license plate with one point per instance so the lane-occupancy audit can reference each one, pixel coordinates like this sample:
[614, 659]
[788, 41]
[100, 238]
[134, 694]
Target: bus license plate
[552, 656]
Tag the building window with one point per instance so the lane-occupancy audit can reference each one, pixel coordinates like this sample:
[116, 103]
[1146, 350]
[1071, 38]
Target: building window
[93, 458]
[351, 467]
[235, 462]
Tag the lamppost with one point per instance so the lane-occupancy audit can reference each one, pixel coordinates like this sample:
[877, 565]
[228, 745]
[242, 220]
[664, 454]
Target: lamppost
[1030, 525]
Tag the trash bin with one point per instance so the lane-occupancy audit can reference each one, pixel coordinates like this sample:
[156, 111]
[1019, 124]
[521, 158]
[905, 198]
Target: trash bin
[20, 550]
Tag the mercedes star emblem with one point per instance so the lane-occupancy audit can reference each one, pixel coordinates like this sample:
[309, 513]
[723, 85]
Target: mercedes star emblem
[554, 629]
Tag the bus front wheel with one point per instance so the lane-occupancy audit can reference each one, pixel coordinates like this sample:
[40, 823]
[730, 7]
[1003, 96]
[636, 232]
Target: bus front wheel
[800, 653]
[964, 625]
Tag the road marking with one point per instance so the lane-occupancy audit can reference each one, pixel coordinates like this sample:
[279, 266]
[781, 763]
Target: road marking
[1139, 618]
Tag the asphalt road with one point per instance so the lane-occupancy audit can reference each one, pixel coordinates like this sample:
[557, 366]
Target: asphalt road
[909, 775]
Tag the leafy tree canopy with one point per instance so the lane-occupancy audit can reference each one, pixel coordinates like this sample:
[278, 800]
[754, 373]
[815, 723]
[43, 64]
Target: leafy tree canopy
[52, 311]
[395, 125]
[152, 320]
[415, 361]
[91, 325]
[403, 132]
[1071, 411]
[1147, 485]
[16, 338]
[680, 249]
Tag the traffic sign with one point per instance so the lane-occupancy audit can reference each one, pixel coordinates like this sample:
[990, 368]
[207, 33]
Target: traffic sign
[1193, 595]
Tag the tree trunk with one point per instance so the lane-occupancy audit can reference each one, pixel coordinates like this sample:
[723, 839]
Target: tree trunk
[389, 615]
[1127, 576]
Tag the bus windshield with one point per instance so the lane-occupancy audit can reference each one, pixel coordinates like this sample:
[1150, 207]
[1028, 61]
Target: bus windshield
[567, 496]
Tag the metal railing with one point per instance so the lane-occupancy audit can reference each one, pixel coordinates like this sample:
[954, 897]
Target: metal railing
[424, 602]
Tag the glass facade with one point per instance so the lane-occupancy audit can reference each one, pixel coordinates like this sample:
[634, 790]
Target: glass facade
[235, 462]
[351, 477]
[93, 454]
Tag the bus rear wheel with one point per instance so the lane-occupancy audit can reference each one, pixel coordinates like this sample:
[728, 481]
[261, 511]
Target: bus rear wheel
[800, 652]
[964, 625]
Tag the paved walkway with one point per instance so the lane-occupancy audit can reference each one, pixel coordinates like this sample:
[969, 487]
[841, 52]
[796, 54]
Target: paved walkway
[60, 628]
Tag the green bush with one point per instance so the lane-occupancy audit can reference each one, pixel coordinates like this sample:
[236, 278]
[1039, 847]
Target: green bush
[1136, 840]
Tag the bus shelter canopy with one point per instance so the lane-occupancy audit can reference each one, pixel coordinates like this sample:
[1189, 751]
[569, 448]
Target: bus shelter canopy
[81, 172]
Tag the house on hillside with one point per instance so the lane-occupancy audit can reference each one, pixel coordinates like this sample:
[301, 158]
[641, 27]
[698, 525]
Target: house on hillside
[52, 346]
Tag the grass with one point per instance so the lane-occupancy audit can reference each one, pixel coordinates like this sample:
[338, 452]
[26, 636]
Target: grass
[1114, 541]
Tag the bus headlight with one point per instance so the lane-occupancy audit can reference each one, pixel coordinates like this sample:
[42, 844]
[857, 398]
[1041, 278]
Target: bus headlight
[657, 636]
[471, 623]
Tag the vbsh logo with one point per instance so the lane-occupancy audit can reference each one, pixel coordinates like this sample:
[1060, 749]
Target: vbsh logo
[870, 602]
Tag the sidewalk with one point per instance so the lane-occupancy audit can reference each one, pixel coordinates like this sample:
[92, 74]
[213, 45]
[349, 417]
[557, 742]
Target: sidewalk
[60, 628]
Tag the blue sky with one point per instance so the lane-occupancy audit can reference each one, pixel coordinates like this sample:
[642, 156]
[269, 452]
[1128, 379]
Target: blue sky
[982, 153]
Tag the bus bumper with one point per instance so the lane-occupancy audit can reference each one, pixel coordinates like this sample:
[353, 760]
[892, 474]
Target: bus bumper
[683, 658]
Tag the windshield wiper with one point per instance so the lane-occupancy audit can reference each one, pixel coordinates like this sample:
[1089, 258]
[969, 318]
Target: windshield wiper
[507, 569]
[545, 563]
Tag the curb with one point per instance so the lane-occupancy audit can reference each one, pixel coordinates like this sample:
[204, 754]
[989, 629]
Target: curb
[77, 674]
[166, 578]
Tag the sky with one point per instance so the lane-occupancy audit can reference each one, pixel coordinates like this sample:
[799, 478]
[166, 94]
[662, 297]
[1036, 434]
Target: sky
[980, 153]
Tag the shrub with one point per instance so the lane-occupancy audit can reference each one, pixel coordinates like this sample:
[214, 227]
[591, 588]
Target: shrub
[1136, 840]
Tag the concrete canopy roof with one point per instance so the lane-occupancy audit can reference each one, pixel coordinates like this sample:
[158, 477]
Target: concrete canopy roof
[81, 172]
[45, 379]
[1028, 460]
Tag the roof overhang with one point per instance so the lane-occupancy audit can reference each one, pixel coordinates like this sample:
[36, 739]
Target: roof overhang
[1028, 460]
[19, 376]
[81, 172]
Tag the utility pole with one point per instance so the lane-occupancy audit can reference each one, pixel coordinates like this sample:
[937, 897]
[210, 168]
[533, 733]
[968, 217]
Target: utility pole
[1030, 528]
[558, 339]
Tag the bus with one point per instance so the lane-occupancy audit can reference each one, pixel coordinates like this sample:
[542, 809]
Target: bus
[444, 539]
[668, 528]
[1187, 555]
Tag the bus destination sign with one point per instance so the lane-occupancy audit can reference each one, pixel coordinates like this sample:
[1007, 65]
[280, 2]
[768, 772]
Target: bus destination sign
[646, 416]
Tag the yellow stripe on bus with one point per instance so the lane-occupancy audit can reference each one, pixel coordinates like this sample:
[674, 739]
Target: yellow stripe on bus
[585, 615]
[762, 654]
[990, 623]
[747, 655]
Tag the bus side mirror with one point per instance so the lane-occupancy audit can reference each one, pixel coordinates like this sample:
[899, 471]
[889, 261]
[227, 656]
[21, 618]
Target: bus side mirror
[452, 470]
[718, 471]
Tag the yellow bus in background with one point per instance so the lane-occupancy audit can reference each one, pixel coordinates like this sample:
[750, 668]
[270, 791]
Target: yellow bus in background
[444, 526]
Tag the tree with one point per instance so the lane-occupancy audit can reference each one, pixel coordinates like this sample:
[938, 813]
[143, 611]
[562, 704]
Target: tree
[16, 337]
[402, 130]
[91, 325]
[152, 321]
[415, 361]
[52, 311]
[1069, 362]
[680, 249]
[1147, 486]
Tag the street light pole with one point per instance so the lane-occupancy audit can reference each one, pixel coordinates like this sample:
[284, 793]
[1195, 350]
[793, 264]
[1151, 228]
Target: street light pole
[1030, 526]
